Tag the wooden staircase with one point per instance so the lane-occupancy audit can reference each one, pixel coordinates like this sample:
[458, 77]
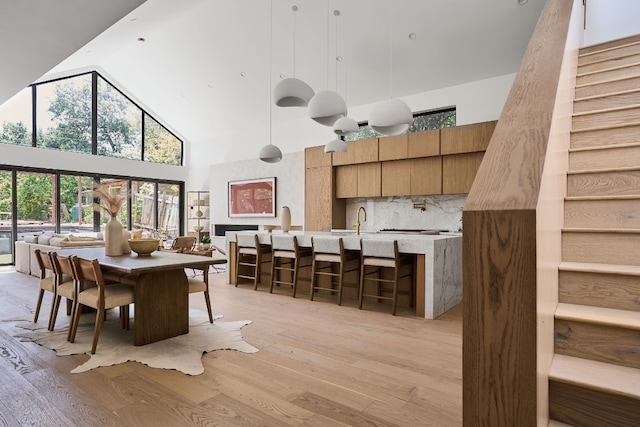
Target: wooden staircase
[595, 374]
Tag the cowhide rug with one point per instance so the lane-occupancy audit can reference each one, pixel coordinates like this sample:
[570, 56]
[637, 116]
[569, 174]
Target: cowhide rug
[182, 353]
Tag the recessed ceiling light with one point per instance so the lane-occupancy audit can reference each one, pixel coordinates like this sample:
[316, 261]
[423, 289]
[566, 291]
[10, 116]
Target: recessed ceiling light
[412, 36]
[243, 74]
[141, 39]
[521, 2]
[282, 76]
[339, 58]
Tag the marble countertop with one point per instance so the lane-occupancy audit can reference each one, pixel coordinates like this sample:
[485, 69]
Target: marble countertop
[407, 243]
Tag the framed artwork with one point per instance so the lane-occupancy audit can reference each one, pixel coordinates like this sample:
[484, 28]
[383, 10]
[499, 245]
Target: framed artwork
[253, 197]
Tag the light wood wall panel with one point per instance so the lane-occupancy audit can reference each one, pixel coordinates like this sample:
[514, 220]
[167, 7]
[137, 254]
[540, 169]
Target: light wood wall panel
[503, 380]
[363, 151]
[316, 157]
[459, 172]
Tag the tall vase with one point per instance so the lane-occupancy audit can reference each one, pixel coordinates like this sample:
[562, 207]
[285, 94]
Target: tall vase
[285, 219]
[113, 237]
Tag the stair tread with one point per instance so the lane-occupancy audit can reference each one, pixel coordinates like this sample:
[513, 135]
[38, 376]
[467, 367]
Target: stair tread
[615, 197]
[604, 95]
[606, 110]
[599, 315]
[619, 67]
[603, 170]
[607, 81]
[604, 147]
[554, 423]
[614, 379]
[600, 230]
[588, 267]
[605, 127]
[607, 49]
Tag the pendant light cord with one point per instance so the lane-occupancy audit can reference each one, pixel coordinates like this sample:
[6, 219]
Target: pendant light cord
[270, 76]
[390, 54]
[294, 8]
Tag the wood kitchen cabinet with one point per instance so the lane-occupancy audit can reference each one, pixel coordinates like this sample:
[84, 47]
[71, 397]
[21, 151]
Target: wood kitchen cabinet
[346, 181]
[423, 144]
[322, 210]
[363, 151]
[412, 177]
[459, 171]
[393, 147]
[466, 139]
[369, 180]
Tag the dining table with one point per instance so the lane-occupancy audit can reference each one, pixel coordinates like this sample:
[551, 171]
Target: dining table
[161, 290]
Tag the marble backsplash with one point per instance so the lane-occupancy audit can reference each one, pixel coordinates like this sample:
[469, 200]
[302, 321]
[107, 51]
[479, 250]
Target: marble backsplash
[442, 212]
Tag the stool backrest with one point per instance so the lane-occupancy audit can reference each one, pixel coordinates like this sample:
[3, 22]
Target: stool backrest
[284, 242]
[247, 240]
[379, 248]
[327, 245]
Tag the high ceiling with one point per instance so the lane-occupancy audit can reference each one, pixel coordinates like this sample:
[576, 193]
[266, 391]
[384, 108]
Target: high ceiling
[207, 67]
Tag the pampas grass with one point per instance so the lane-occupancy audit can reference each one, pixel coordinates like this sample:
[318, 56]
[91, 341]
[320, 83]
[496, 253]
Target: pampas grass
[110, 201]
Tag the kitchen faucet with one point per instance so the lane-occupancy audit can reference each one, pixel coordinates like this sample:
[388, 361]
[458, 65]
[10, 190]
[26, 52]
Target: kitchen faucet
[357, 224]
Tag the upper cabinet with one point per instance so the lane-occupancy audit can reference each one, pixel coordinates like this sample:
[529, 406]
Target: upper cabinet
[363, 151]
[466, 139]
[423, 144]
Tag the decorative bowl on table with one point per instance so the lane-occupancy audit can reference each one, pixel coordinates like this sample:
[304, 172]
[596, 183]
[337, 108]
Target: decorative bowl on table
[144, 247]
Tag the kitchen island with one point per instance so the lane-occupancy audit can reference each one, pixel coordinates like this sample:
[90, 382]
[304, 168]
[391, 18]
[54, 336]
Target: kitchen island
[438, 281]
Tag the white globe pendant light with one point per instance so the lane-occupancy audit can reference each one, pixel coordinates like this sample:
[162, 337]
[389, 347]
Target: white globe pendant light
[270, 153]
[293, 92]
[391, 117]
[335, 146]
[345, 127]
[326, 107]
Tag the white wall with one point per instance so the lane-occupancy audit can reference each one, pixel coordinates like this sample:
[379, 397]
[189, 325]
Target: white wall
[289, 173]
[212, 166]
[475, 102]
[611, 19]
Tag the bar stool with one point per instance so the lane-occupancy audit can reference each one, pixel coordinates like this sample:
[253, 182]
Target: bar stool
[250, 253]
[328, 253]
[381, 255]
[286, 256]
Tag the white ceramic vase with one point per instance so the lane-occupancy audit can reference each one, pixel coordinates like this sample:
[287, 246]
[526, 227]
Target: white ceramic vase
[285, 219]
[113, 237]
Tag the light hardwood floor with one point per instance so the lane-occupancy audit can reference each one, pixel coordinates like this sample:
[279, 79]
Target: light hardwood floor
[318, 365]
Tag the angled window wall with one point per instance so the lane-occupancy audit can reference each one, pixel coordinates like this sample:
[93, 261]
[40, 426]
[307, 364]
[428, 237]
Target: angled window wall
[87, 114]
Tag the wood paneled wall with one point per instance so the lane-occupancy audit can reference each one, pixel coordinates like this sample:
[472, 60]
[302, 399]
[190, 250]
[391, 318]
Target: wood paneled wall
[501, 375]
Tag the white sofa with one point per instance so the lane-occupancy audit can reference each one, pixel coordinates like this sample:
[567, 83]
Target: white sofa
[25, 258]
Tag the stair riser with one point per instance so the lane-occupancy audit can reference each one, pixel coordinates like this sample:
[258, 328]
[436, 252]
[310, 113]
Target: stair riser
[610, 63]
[608, 87]
[601, 248]
[623, 183]
[612, 137]
[603, 76]
[578, 406]
[610, 44]
[608, 344]
[599, 290]
[621, 157]
[608, 101]
[620, 213]
[607, 118]
[632, 49]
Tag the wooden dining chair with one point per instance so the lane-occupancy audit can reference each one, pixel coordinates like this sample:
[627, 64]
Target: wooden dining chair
[198, 285]
[47, 283]
[65, 284]
[100, 297]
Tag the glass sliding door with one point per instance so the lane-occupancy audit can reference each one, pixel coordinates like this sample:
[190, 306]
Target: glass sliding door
[169, 210]
[76, 204]
[6, 222]
[143, 213]
[36, 203]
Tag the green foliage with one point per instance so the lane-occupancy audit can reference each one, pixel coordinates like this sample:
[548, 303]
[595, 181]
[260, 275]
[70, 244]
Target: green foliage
[5, 192]
[160, 146]
[34, 196]
[205, 239]
[15, 133]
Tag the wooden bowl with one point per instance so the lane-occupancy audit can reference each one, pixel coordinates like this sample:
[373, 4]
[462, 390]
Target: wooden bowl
[144, 247]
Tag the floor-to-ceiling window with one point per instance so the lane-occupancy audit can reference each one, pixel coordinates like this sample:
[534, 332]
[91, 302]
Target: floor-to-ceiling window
[169, 212]
[6, 216]
[76, 203]
[36, 203]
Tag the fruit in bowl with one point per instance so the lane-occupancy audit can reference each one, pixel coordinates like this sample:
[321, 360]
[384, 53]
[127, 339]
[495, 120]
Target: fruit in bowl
[144, 247]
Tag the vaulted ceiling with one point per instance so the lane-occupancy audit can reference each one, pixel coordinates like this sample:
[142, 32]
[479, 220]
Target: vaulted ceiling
[208, 67]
